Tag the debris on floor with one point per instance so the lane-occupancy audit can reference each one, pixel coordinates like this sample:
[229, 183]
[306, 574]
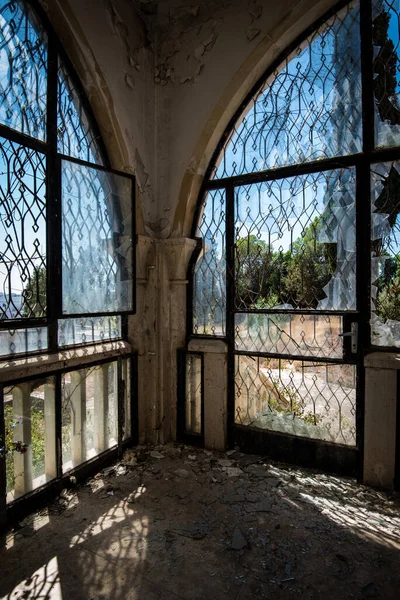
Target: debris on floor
[177, 522]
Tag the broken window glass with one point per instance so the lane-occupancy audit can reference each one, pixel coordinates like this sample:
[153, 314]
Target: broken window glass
[385, 254]
[308, 109]
[97, 241]
[295, 243]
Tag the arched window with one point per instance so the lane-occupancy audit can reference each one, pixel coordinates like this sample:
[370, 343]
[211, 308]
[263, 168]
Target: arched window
[66, 266]
[303, 189]
[66, 222]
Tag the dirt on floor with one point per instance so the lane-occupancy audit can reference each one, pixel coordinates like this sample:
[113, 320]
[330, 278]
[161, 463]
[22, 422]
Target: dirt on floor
[174, 522]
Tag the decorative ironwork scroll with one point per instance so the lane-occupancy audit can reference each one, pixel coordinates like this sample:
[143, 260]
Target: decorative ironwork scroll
[309, 108]
[23, 70]
[75, 133]
[22, 232]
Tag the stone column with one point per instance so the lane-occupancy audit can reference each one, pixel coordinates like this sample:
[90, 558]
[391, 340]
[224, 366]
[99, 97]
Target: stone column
[158, 331]
[22, 433]
[380, 418]
[143, 336]
[78, 416]
[50, 458]
[215, 391]
[100, 409]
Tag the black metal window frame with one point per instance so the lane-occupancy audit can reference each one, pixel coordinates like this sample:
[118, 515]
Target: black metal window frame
[49, 148]
[315, 453]
[361, 161]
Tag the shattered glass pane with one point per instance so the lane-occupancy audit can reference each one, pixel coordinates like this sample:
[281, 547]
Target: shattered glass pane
[309, 108]
[295, 243]
[385, 254]
[307, 399]
[209, 300]
[386, 69]
[301, 335]
[97, 241]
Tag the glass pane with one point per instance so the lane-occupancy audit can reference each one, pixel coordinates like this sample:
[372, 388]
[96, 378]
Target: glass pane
[302, 335]
[193, 393]
[310, 107]
[22, 232]
[307, 399]
[72, 332]
[295, 245]
[386, 69]
[385, 254]
[209, 303]
[74, 130]
[89, 413]
[23, 75]
[30, 444]
[21, 341]
[97, 241]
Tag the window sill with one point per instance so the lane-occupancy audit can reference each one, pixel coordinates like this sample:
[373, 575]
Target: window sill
[31, 366]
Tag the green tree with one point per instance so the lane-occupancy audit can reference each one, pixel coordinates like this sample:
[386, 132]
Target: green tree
[265, 278]
[310, 266]
[34, 294]
[259, 271]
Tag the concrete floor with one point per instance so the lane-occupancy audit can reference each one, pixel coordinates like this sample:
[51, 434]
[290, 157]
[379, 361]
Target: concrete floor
[178, 523]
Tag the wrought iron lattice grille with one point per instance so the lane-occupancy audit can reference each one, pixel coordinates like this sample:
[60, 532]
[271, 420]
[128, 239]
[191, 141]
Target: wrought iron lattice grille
[309, 171]
[209, 273]
[385, 243]
[286, 333]
[74, 130]
[386, 69]
[308, 108]
[96, 241]
[22, 231]
[295, 243]
[307, 399]
[23, 73]
[55, 265]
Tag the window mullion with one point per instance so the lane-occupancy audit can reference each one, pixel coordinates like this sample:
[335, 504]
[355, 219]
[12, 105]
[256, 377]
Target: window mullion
[53, 199]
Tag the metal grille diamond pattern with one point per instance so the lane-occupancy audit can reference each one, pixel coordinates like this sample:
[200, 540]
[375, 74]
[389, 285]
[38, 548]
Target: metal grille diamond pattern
[23, 74]
[308, 109]
[96, 241]
[75, 133]
[386, 68]
[286, 333]
[307, 399]
[295, 243]
[209, 274]
[22, 232]
[385, 254]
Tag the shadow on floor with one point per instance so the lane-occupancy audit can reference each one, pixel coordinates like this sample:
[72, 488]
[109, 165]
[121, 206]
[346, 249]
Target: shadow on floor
[199, 525]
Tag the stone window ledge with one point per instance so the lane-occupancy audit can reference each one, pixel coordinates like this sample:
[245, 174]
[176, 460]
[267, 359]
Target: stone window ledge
[382, 360]
[31, 366]
[211, 346]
